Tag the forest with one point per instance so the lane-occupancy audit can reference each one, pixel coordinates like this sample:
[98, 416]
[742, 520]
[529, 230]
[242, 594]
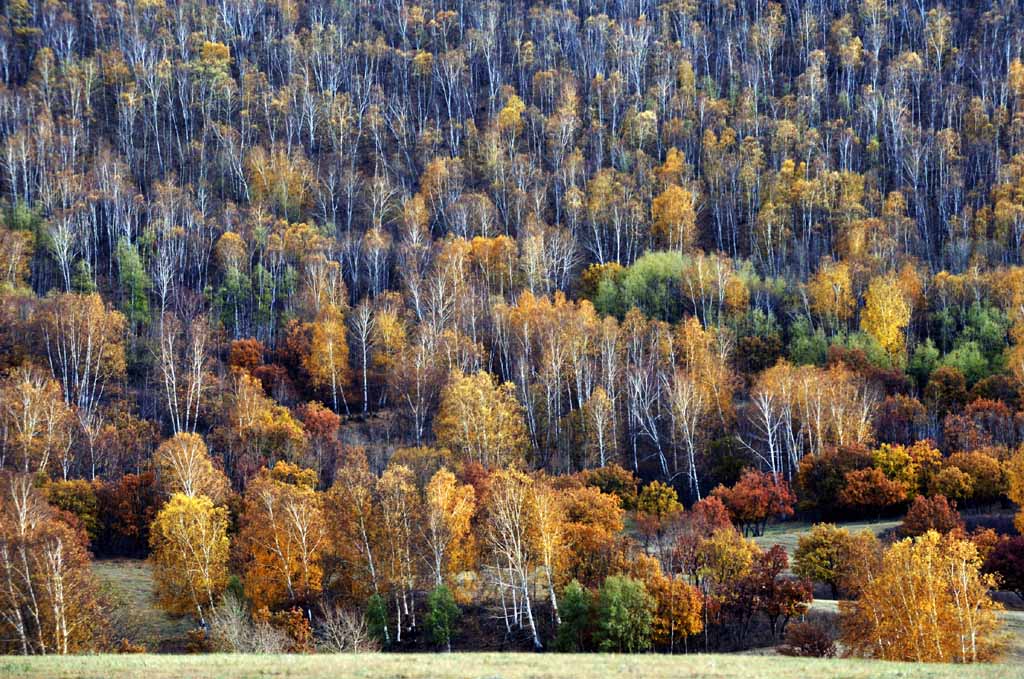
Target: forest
[513, 324]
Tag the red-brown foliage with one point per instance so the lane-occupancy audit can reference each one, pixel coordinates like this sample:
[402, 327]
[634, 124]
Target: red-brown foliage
[755, 498]
[934, 513]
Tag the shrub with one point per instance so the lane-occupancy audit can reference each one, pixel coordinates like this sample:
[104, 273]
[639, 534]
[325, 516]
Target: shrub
[442, 616]
[808, 640]
[343, 630]
[625, 615]
[935, 513]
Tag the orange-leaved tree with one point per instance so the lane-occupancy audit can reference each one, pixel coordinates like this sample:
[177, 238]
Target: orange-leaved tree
[48, 598]
[283, 536]
[755, 498]
[926, 600]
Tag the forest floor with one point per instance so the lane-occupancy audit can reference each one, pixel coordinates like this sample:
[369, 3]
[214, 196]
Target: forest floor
[489, 665]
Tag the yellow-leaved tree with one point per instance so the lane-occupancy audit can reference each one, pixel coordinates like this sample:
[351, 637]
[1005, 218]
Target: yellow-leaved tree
[481, 421]
[886, 314]
[447, 511]
[925, 600]
[184, 466]
[831, 292]
[327, 361]
[189, 545]
[675, 220]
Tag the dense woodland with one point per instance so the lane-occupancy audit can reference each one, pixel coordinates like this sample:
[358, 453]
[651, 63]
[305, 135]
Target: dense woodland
[505, 323]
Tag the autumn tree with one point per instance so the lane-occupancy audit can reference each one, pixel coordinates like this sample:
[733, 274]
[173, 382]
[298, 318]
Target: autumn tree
[189, 546]
[399, 511]
[821, 555]
[1015, 475]
[83, 340]
[869, 490]
[1006, 561]
[353, 525]
[831, 293]
[675, 220]
[886, 315]
[755, 498]
[448, 509]
[184, 369]
[481, 421]
[926, 602]
[509, 539]
[677, 613]
[184, 466]
[48, 599]
[283, 536]
[38, 427]
[327, 360]
[934, 513]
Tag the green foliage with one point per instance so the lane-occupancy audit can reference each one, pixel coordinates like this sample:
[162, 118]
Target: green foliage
[651, 284]
[21, 217]
[575, 611]
[442, 616]
[82, 279]
[969, 360]
[819, 555]
[869, 345]
[923, 361]
[625, 615]
[377, 619]
[78, 497]
[135, 283]
[807, 345]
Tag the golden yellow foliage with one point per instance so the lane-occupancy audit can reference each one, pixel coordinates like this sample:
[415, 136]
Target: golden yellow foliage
[481, 421]
[886, 315]
[184, 466]
[189, 545]
[927, 601]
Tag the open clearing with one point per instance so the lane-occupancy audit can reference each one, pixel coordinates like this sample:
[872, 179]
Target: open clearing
[788, 533]
[129, 583]
[489, 665]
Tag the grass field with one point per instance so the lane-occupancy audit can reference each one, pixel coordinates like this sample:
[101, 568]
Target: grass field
[128, 584]
[788, 533]
[483, 665]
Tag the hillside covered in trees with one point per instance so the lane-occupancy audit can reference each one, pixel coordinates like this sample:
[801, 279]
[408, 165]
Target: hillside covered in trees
[508, 323]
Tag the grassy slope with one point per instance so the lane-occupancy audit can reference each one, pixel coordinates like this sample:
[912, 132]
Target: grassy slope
[510, 666]
[128, 583]
[787, 534]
